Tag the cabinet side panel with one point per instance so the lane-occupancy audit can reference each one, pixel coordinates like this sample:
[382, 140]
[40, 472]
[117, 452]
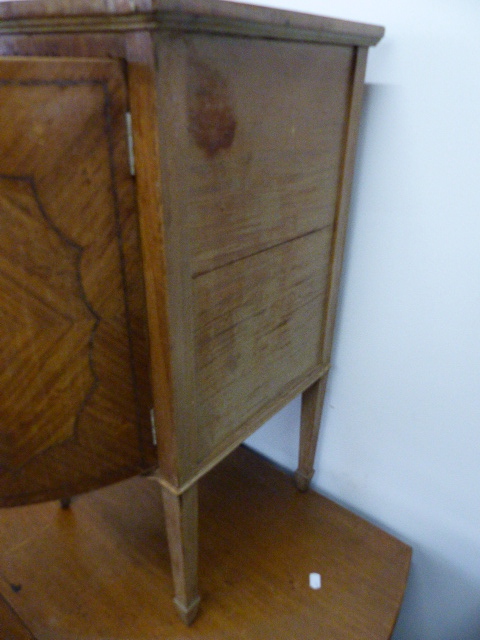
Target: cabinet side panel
[182, 430]
[345, 188]
[264, 132]
[253, 136]
[258, 329]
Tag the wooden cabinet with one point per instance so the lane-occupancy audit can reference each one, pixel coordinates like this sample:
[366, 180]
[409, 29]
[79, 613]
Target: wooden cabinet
[174, 185]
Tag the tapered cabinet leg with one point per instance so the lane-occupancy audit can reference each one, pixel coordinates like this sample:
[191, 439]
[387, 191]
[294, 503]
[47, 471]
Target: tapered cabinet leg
[181, 515]
[312, 404]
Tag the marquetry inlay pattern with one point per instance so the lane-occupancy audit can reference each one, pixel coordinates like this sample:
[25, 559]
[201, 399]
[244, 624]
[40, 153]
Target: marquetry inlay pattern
[44, 311]
[71, 345]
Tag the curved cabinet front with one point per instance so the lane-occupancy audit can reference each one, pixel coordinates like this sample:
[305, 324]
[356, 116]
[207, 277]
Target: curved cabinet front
[73, 354]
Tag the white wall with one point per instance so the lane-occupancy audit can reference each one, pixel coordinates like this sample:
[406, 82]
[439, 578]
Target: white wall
[400, 441]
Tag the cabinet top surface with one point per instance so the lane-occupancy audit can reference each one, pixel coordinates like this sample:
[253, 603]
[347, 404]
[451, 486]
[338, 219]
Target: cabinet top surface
[198, 15]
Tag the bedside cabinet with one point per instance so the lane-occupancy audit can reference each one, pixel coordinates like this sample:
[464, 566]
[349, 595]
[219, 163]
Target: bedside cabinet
[174, 186]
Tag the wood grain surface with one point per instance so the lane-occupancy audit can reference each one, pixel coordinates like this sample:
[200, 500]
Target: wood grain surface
[74, 376]
[262, 133]
[11, 625]
[212, 16]
[100, 570]
[252, 137]
[259, 326]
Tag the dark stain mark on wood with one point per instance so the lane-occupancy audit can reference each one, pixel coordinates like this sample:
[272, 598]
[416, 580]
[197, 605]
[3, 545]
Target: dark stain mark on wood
[16, 588]
[211, 119]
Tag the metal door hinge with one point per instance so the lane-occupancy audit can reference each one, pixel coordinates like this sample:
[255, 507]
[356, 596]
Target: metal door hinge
[153, 426]
[131, 150]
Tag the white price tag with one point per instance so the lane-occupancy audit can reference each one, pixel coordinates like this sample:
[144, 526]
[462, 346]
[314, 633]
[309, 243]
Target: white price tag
[315, 581]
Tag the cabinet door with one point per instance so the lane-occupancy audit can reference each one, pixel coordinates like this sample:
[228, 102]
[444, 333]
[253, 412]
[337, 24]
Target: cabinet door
[74, 394]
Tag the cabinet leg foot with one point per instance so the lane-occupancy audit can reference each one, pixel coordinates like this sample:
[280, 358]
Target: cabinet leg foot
[312, 404]
[302, 481]
[187, 614]
[181, 516]
[66, 503]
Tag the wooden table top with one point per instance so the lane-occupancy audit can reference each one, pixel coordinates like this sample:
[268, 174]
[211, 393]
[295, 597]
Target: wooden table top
[100, 570]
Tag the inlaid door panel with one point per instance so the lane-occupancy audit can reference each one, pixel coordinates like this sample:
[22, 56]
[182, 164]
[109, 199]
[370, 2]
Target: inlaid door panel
[74, 395]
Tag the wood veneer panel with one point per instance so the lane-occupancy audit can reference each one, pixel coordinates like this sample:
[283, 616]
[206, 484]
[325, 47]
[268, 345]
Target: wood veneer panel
[252, 136]
[101, 570]
[259, 142]
[259, 326]
[74, 379]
